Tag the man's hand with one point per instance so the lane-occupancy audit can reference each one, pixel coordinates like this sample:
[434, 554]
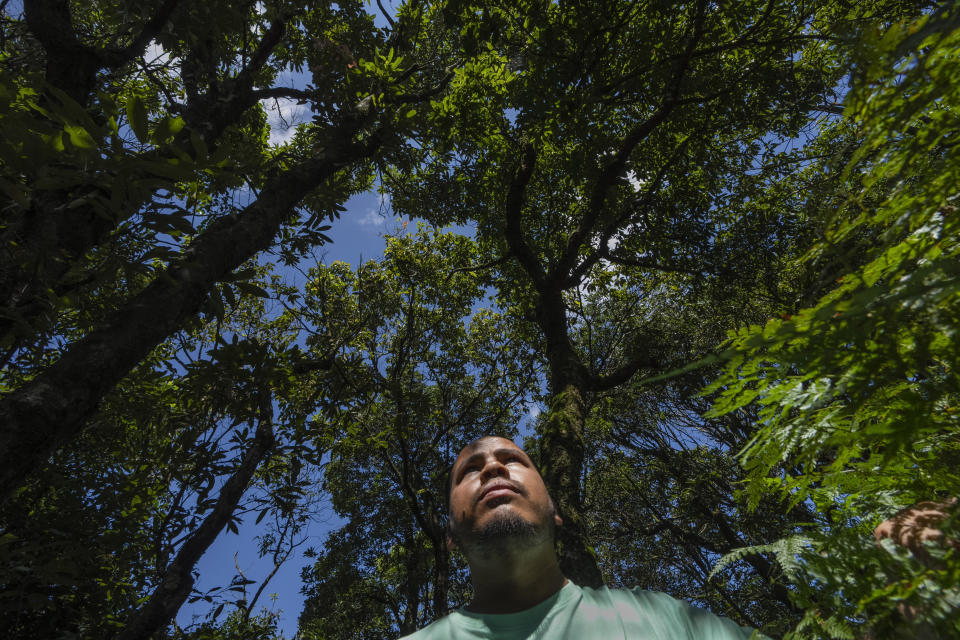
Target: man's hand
[911, 528]
[917, 524]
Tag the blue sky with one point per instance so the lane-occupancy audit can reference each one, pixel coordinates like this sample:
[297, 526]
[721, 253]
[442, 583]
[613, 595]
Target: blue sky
[357, 236]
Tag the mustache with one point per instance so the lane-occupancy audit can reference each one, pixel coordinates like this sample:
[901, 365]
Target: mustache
[499, 484]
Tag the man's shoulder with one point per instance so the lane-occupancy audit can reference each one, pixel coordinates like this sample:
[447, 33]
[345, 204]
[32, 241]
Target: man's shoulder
[673, 617]
[639, 612]
[440, 628]
[636, 596]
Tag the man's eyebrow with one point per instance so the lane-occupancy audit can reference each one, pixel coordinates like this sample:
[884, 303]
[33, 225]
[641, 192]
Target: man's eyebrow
[504, 451]
[466, 461]
[499, 453]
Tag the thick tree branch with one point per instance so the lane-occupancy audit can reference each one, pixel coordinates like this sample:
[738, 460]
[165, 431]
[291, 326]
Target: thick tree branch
[271, 38]
[222, 105]
[602, 251]
[70, 65]
[150, 31]
[51, 409]
[386, 16]
[177, 582]
[623, 373]
[611, 172]
[609, 176]
[513, 214]
[51, 24]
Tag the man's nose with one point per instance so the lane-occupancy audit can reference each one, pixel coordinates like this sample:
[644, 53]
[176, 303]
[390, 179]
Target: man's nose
[494, 468]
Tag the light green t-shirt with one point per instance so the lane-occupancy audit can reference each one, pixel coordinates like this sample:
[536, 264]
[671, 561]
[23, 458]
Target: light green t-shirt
[575, 613]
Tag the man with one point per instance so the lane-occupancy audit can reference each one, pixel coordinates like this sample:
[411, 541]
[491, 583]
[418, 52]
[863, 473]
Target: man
[502, 519]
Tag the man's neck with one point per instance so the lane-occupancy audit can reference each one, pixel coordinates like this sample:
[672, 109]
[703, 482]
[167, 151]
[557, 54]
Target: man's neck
[511, 582]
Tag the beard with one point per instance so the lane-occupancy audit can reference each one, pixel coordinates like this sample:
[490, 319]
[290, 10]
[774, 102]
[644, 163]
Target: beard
[508, 525]
[505, 532]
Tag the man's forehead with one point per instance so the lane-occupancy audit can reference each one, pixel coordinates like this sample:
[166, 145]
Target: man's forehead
[487, 442]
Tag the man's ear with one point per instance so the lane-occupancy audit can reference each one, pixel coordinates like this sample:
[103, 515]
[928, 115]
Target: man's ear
[451, 545]
[557, 520]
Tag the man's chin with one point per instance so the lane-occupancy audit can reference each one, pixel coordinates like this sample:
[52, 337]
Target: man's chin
[503, 530]
[504, 524]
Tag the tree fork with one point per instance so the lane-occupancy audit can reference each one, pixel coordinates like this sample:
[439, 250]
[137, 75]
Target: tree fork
[54, 236]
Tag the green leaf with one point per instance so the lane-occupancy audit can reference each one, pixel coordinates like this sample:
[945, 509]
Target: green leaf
[199, 145]
[252, 289]
[167, 128]
[137, 119]
[79, 137]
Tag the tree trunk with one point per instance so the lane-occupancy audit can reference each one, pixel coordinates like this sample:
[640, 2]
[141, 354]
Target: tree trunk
[562, 463]
[562, 447]
[177, 582]
[441, 578]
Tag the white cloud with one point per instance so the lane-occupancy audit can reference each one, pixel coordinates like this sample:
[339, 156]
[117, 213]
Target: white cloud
[283, 116]
[372, 218]
[155, 54]
[636, 182]
[618, 237]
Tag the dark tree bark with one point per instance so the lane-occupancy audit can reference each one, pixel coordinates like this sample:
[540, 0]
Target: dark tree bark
[52, 408]
[562, 450]
[173, 590]
[72, 66]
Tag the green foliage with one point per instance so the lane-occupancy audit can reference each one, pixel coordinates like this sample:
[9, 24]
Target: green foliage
[640, 178]
[130, 135]
[858, 393]
[260, 627]
[620, 166]
[419, 371]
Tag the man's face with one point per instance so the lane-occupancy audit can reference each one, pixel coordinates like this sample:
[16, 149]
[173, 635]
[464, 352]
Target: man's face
[496, 492]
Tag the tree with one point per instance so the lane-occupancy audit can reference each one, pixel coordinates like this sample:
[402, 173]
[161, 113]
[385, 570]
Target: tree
[108, 158]
[857, 390]
[604, 144]
[135, 192]
[642, 178]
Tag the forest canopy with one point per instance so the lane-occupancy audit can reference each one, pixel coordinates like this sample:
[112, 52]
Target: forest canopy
[716, 244]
